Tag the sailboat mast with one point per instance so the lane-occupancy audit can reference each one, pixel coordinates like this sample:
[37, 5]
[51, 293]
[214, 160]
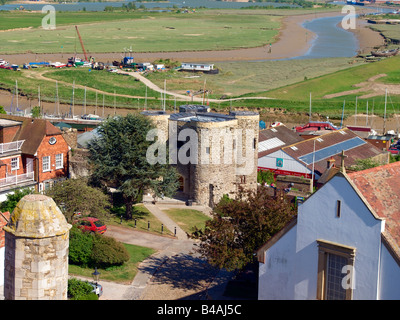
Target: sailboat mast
[309, 116]
[384, 114]
[16, 92]
[355, 114]
[341, 123]
[73, 99]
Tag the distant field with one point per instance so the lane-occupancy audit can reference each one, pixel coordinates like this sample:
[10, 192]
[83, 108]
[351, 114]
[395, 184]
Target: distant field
[336, 82]
[239, 78]
[144, 32]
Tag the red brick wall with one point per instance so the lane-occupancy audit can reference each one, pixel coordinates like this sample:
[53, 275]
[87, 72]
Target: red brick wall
[3, 222]
[46, 149]
[6, 166]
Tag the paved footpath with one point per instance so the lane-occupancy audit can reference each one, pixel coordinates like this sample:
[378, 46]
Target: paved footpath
[175, 272]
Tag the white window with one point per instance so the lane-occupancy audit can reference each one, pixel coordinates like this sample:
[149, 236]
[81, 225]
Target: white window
[59, 161]
[46, 163]
[14, 163]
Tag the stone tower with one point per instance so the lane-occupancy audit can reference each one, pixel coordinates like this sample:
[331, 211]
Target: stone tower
[36, 255]
[226, 155]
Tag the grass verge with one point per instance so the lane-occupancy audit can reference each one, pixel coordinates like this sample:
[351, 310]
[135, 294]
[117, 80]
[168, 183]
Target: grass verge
[187, 218]
[121, 274]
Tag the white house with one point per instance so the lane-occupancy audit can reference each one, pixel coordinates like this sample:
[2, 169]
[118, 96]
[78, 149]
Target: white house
[343, 244]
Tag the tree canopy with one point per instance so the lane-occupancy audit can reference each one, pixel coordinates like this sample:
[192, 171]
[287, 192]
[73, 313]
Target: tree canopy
[240, 226]
[75, 195]
[118, 160]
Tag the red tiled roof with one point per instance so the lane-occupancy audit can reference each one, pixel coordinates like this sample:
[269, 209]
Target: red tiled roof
[32, 131]
[380, 187]
[4, 217]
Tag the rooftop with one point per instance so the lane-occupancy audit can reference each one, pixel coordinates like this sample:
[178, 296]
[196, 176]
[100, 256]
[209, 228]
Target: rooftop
[331, 145]
[380, 188]
[271, 139]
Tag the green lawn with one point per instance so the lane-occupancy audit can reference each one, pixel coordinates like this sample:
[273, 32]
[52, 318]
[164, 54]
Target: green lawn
[187, 218]
[143, 216]
[145, 32]
[122, 274]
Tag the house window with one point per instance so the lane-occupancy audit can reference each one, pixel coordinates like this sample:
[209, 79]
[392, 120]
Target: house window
[46, 163]
[14, 163]
[335, 271]
[59, 161]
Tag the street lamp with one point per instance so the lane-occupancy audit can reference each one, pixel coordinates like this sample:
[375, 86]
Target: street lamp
[96, 275]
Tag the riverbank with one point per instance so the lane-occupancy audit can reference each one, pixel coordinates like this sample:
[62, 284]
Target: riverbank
[292, 40]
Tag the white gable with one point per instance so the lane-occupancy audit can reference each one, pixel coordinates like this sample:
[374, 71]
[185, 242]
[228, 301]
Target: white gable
[290, 268]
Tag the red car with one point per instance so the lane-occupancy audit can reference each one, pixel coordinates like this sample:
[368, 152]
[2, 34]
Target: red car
[92, 225]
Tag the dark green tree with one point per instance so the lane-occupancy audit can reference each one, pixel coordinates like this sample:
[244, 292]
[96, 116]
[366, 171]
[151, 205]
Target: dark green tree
[118, 157]
[240, 226]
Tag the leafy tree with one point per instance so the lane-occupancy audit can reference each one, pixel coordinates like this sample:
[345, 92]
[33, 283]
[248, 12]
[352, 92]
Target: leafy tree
[118, 159]
[36, 112]
[240, 226]
[13, 198]
[75, 195]
[265, 177]
[364, 164]
[80, 290]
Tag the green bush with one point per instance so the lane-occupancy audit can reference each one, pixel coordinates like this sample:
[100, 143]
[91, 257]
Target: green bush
[80, 247]
[107, 252]
[80, 290]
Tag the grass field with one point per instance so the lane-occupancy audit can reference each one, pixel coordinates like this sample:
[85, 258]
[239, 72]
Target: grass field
[144, 32]
[123, 274]
[296, 96]
[239, 78]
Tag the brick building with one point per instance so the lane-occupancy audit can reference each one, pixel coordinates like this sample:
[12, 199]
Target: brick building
[33, 153]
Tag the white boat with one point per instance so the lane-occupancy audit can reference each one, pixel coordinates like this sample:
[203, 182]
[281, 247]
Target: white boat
[58, 65]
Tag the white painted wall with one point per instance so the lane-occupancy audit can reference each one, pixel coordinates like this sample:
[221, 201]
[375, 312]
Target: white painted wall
[275, 281]
[317, 219]
[289, 164]
[390, 277]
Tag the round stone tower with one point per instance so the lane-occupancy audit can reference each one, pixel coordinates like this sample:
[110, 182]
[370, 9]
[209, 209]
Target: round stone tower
[36, 251]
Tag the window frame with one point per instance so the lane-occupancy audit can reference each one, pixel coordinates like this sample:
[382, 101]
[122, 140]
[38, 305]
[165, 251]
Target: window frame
[49, 163]
[17, 166]
[324, 249]
[61, 160]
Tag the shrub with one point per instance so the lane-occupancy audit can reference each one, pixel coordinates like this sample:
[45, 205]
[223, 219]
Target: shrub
[107, 252]
[80, 290]
[80, 247]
